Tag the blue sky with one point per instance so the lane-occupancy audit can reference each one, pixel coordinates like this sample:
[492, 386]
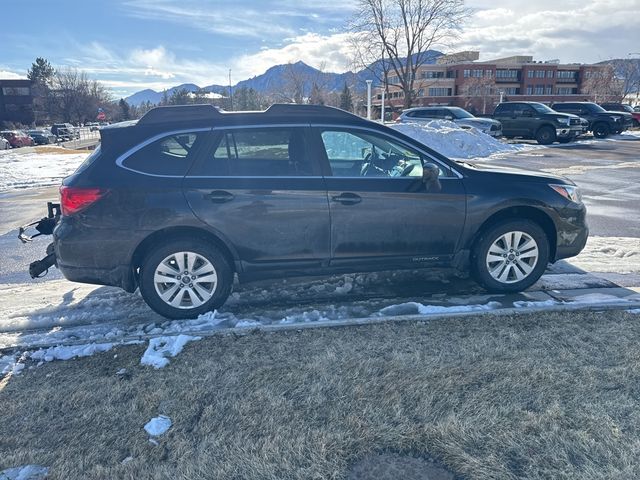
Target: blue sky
[134, 44]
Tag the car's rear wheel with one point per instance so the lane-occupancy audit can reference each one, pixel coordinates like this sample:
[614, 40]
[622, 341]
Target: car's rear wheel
[601, 130]
[510, 256]
[546, 136]
[185, 278]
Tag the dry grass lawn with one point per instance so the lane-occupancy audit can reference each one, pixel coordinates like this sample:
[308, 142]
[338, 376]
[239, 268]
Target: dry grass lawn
[545, 396]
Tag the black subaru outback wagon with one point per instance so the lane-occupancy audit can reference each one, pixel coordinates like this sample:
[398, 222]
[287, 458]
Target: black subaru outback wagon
[180, 201]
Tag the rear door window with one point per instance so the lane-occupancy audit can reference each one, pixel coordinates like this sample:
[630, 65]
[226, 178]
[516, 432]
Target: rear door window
[168, 156]
[257, 152]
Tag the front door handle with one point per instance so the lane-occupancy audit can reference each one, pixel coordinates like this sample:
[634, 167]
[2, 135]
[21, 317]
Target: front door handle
[347, 198]
[219, 196]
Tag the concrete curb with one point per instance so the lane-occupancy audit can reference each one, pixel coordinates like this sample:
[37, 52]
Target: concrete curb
[352, 322]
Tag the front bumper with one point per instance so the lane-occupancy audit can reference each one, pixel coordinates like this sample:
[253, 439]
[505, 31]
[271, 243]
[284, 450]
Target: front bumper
[572, 230]
[568, 132]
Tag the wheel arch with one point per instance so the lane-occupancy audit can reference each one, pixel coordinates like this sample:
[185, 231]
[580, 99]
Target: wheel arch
[544, 125]
[172, 233]
[520, 213]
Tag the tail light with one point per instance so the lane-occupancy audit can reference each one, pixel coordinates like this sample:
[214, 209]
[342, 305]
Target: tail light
[74, 200]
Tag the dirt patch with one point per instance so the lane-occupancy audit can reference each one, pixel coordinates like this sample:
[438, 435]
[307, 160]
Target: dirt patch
[59, 150]
[532, 396]
[388, 466]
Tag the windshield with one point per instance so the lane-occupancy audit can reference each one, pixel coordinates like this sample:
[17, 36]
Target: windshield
[541, 108]
[460, 113]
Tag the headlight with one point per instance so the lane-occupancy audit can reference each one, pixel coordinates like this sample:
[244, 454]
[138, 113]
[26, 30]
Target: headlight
[570, 192]
[563, 120]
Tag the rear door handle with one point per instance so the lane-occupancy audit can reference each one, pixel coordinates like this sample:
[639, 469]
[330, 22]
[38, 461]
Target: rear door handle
[219, 196]
[347, 198]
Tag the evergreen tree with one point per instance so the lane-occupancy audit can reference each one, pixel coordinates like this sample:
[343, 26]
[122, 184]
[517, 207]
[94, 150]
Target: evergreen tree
[316, 97]
[180, 97]
[346, 100]
[124, 109]
[41, 72]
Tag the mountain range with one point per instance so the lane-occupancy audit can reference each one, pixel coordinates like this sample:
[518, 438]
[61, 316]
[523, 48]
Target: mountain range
[279, 77]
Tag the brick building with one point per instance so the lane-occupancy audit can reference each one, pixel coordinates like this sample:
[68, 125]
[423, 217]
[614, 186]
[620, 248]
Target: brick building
[16, 101]
[460, 79]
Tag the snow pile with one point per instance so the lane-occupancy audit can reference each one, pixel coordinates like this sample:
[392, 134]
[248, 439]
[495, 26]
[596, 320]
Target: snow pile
[32, 169]
[26, 472]
[413, 308]
[11, 364]
[452, 141]
[161, 348]
[610, 254]
[158, 425]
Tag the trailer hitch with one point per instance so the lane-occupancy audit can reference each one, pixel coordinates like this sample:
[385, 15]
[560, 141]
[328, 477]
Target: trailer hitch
[39, 268]
[44, 226]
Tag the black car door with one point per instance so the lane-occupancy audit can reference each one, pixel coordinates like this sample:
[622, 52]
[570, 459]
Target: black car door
[381, 211]
[260, 190]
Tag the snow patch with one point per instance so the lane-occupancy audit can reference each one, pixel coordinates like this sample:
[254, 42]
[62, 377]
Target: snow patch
[161, 348]
[26, 472]
[413, 308]
[69, 352]
[534, 304]
[158, 426]
[26, 170]
[452, 141]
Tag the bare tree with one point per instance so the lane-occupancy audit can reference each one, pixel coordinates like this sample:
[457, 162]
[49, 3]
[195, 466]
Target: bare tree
[603, 85]
[399, 33]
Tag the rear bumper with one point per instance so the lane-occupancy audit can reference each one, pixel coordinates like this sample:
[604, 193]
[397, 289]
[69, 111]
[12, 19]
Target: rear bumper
[120, 276]
[90, 255]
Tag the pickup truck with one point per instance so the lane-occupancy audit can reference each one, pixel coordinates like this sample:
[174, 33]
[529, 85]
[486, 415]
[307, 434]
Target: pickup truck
[601, 122]
[536, 121]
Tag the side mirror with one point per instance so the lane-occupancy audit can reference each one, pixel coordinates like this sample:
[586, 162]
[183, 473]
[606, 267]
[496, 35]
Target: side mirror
[448, 117]
[527, 113]
[430, 177]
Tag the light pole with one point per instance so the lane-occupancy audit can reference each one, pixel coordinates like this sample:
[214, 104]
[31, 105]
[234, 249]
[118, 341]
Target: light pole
[230, 92]
[382, 107]
[637, 80]
[369, 82]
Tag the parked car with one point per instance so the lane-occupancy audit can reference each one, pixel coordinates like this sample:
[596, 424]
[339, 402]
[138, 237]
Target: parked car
[535, 120]
[601, 122]
[620, 107]
[65, 131]
[17, 138]
[4, 144]
[42, 137]
[93, 126]
[188, 196]
[457, 115]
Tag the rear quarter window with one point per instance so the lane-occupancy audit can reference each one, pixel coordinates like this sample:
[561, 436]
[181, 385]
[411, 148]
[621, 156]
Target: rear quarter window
[168, 156]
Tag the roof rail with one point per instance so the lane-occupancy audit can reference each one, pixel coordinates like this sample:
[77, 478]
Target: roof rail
[315, 110]
[180, 113]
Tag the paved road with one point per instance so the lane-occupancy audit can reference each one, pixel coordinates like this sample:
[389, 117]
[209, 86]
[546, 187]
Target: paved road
[608, 173]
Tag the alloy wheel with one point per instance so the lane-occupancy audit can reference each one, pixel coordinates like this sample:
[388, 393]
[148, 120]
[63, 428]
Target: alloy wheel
[185, 280]
[512, 257]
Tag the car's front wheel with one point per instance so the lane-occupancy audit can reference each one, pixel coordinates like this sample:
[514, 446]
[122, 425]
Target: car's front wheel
[546, 136]
[601, 130]
[185, 278]
[510, 256]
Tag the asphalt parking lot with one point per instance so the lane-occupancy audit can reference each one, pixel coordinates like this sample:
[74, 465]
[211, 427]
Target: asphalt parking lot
[608, 173]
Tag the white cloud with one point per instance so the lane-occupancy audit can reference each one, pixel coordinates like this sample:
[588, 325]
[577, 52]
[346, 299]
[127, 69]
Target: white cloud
[571, 30]
[7, 75]
[331, 53]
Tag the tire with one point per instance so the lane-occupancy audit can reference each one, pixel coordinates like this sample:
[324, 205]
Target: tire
[515, 272]
[601, 130]
[199, 259]
[546, 136]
